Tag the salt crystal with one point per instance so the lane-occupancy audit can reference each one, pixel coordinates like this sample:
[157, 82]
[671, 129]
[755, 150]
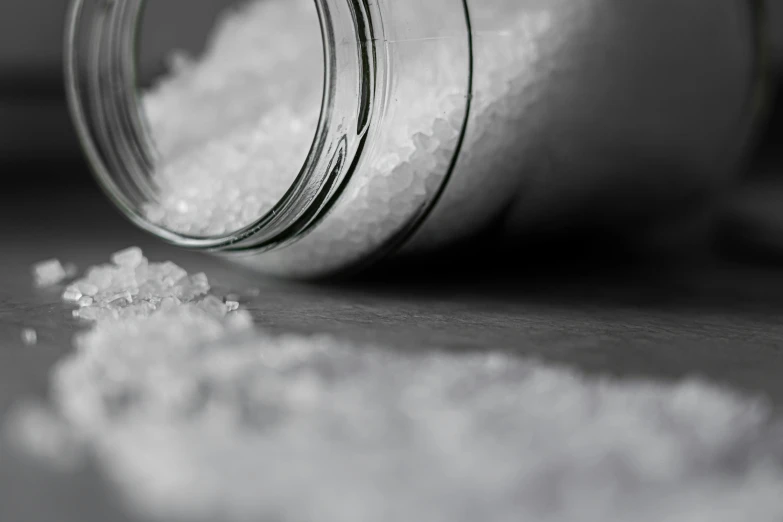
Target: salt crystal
[213, 306]
[120, 299]
[171, 273]
[154, 213]
[232, 306]
[130, 257]
[87, 288]
[100, 277]
[48, 273]
[424, 142]
[29, 336]
[199, 284]
[72, 294]
[189, 288]
[86, 301]
[141, 272]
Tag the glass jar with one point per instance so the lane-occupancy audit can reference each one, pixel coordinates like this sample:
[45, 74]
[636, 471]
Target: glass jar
[442, 119]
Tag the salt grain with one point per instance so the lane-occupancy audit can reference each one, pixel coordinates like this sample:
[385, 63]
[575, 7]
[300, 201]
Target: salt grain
[29, 336]
[130, 258]
[124, 297]
[132, 287]
[171, 273]
[101, 277]
[48, 273]
[72, 294]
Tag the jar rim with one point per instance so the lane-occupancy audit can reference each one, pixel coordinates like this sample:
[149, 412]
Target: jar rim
[100, 72]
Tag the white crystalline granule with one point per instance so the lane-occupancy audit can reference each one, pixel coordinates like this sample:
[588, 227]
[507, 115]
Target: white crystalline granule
[29, 336]
[131, 257]
[131, 286]
[72, 294]
[48, 273]
[195, 415]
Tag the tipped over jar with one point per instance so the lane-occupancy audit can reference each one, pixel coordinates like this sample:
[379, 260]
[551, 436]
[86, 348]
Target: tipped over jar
[314, 137]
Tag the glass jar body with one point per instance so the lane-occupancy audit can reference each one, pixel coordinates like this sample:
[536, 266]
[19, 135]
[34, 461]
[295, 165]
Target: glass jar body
[442, 119]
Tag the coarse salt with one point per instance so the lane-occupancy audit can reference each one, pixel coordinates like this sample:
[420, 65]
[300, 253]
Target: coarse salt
[191, 410]
[219, 177]
[29, 336]
[49, 273]
[131, 257]
[72, 294]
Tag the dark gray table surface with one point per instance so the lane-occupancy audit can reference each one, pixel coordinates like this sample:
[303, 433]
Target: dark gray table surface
[717, 321]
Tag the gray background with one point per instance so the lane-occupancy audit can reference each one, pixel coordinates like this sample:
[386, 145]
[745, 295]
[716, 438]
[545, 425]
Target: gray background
[33, 116]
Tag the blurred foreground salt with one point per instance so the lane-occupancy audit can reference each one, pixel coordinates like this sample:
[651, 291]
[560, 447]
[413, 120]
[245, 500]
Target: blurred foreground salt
[196, 415]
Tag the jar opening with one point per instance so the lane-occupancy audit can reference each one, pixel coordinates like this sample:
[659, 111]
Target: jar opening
[239, 147]
[232, 127]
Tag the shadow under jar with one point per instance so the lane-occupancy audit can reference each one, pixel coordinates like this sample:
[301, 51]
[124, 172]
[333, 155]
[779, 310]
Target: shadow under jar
[325, 135]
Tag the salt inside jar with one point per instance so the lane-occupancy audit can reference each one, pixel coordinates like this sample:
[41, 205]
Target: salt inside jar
[315, 136]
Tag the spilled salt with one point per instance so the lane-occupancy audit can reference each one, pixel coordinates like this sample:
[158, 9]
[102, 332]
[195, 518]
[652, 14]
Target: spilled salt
[29, 336]
[191, 410]
[48, 273]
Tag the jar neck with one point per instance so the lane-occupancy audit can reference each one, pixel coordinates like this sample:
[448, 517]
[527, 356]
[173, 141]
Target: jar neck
[101, 74]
